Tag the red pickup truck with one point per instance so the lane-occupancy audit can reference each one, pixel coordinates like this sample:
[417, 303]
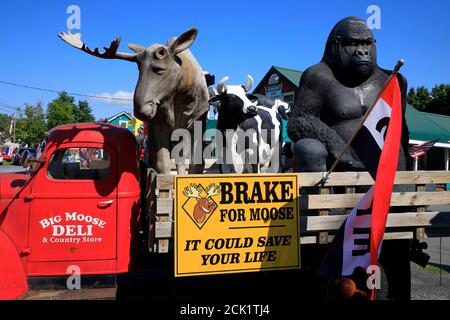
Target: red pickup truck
[78, 205]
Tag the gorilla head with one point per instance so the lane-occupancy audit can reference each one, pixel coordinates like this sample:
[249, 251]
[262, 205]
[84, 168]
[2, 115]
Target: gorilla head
[350, 51]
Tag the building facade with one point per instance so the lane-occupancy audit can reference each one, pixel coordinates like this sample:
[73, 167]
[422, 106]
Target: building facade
[126, 120]
[280, 83]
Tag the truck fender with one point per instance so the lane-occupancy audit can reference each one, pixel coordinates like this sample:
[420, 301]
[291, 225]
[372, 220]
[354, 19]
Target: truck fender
[13, 280]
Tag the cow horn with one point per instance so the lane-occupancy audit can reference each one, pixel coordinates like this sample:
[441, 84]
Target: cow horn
[249, 83]
[221, 87]
[211, 92]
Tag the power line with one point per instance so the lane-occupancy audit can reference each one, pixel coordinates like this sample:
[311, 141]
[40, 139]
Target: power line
[4, 105]
[6, 110]
[56, 91]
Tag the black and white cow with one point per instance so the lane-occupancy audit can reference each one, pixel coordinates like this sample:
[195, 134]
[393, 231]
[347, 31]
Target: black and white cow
[283, 108]
[255, 130]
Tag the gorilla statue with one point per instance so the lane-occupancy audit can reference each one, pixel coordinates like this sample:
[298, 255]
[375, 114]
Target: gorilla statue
[331, 101]
[334, 95]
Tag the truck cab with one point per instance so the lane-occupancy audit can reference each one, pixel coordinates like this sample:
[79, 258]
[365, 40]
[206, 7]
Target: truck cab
[77, 206]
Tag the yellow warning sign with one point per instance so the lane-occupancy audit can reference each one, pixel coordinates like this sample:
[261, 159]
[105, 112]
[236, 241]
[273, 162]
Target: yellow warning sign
[236, 223]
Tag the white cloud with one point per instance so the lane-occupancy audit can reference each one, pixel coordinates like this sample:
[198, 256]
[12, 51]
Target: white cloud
[112, 98]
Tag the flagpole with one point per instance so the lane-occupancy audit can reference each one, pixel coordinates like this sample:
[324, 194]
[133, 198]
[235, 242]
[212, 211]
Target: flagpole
[399, 64]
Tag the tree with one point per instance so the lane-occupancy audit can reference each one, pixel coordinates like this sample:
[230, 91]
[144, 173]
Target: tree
[5, 122]
[60, 110]
[83, 112]
[440, 102]
[419, 98]
[31, 128]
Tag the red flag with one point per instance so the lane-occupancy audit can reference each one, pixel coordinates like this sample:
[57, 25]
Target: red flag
[357, 243]
[387, 167]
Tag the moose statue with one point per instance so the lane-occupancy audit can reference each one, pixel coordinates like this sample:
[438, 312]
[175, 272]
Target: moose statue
[171, 91]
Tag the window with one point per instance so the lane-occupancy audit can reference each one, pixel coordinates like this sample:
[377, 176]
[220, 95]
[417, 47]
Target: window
[288, 97]
[79, 164]
[123, 123]
[274, 79]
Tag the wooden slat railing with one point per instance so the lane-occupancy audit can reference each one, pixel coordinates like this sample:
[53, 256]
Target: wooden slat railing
[319, 228]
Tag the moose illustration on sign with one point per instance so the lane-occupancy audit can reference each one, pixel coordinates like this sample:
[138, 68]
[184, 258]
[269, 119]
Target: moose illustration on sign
[204, 205]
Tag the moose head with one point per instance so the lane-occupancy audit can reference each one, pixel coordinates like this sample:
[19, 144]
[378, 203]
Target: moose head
[171, 91]
[204, 205]
[160, 69]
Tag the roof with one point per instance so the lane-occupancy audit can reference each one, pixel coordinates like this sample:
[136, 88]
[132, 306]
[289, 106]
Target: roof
[441, 120]
[425, 126]
[120, 114]
[93, 132]
[291, 75]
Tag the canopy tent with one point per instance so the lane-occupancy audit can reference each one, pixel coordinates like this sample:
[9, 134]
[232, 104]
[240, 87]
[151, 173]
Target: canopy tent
[425, 126]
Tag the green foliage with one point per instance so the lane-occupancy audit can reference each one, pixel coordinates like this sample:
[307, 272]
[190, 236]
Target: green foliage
[440, 102]
[63, 110]
[31, 128]
[419, 98]
[83, 112]
[31, 125]
[436, 101]
[5, 122]
[60, 110]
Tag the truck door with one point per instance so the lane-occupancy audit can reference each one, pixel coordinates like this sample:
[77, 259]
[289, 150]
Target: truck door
[74, 205]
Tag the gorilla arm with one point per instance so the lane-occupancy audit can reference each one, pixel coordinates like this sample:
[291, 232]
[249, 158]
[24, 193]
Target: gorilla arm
[404, 154]
[304, 121]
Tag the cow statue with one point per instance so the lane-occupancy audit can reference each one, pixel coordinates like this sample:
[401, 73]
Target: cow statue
[171, 91]
[283, 107]
[284, 110]
[255, 130]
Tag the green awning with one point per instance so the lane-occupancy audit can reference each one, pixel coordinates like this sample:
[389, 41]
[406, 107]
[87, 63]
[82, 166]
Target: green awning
[426, 126]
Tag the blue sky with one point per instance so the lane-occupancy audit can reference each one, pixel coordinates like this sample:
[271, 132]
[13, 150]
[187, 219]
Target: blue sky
[235, 38]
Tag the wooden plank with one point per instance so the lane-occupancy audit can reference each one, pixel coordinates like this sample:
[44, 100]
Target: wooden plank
[163, 229]
[420, 232]
[349, 190]
[164, 182]
[163, 246]
[313, 239]
[398, 235]
[309, 179]
[164, 206]
[331, 201]
[323, 236]
[363, 178]
[387, 236]
[436, 219]
[150, 208]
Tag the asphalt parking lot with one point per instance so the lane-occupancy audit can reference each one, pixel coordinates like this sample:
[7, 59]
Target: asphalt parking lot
[433, 282]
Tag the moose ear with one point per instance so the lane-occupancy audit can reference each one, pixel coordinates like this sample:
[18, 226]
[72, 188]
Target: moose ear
[136, 47]
[184, 41]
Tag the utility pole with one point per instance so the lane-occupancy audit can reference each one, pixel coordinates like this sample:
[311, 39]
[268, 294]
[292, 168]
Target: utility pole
[14, 127]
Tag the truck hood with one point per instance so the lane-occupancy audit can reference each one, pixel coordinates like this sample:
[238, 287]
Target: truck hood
[11, 183]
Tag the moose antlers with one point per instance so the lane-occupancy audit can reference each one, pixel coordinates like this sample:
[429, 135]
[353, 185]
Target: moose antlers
[110, 53]
[193, 191]
[212, 190]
